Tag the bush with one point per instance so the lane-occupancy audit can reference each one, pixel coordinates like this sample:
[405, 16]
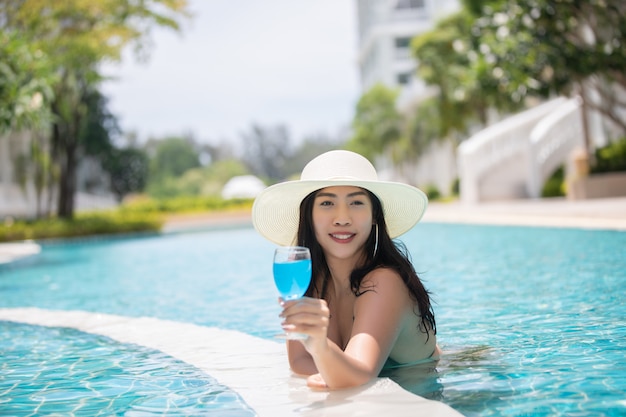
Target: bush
[183, 205]
[455, 188]
[432, 192]
[140, 214]
[611, 158]
[553, 186]
[82, 225]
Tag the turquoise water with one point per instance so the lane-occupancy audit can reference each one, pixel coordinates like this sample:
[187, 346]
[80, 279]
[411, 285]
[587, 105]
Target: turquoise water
[533, 320]
[64, 372]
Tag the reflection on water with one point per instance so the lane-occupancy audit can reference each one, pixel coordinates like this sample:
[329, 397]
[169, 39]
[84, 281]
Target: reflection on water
[426, 379]
[65, 372]
[420, 379]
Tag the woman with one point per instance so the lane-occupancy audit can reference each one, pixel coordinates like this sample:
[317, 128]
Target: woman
[366, 308]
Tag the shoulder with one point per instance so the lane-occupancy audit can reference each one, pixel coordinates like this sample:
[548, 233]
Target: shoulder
[383, 281]
[384, 299]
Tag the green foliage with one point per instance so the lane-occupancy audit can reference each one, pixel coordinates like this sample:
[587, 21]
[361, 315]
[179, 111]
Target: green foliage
[545, 47]
[128, 169]
[216, 175]
[377, 123]
[444, 61]
[432, 192]
[88, 224]
[420, 130]
[78, 36]
[610, 158]
[173, 157]
[167, 187]
[455, 188]
[100, 127]
[183, 204]
[26, 79]
[141, 214]
[81, 33]
[449, 58]
[495, 54]
[553, 186]
[205, 181]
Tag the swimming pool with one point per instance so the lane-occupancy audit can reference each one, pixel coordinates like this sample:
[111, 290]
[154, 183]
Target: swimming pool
[533, 319]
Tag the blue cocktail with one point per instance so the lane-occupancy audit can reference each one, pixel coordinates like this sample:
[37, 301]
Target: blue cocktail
[292, 278]
[292, 275]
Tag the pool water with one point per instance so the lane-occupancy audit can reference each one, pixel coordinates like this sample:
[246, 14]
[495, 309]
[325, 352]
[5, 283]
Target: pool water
[59, 371]
[532, 320]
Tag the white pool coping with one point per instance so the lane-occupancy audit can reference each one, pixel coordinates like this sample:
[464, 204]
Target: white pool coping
[255, 368]
[13, 251]
[594, 214]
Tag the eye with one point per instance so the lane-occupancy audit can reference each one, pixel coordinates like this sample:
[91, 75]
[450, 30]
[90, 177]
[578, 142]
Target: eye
[357, 203]
[326, 203]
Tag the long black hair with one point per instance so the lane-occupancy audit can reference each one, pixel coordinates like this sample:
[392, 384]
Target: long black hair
[380, 252]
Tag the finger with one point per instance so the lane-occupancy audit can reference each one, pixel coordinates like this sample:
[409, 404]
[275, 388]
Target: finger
[303, 318]
[311, 306]
[306, 317]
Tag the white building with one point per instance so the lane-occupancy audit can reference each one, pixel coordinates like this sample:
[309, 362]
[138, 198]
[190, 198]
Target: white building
[386, 28]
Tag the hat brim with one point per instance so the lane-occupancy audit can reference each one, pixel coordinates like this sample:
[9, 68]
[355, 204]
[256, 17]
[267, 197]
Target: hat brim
[276, 210]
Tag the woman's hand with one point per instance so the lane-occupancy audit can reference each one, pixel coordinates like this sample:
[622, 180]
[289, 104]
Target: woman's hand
[308, 316]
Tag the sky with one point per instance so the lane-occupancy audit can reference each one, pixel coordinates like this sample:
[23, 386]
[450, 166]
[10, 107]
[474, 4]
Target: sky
[239, 63]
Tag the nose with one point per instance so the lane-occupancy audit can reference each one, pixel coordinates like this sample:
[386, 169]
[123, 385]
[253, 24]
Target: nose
[342, 217]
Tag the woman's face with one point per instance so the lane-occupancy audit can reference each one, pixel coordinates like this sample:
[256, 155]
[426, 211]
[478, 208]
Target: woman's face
[342, 220]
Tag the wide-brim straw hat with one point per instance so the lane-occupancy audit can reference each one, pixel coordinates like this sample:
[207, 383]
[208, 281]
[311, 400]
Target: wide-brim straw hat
[276, 210]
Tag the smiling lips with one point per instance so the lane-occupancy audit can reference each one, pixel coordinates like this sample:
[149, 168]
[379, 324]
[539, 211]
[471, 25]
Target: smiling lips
[342, 237]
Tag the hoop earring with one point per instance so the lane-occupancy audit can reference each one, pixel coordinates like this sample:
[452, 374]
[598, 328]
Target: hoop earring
[375, 242]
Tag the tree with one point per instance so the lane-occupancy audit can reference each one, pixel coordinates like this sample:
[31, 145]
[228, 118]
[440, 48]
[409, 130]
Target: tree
[547, 47]
[128, 168]
[209, 180]
[100, 129]
[26, 79]
[173, 157]
[267, 151]
[377, 123]
[421, 128]
[467, 86]
[78, 36]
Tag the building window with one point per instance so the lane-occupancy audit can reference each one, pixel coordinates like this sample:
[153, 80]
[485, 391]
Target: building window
[403, 78]
[403, 43]
[410, 4]
[403, 48]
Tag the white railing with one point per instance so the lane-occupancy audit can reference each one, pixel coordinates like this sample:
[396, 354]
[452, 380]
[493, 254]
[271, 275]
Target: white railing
[551, 142]
[481, 153]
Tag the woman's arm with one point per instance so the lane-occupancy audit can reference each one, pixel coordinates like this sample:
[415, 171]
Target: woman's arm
[300, 361]
[315, 313]
[379, 314]
[378, 317]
